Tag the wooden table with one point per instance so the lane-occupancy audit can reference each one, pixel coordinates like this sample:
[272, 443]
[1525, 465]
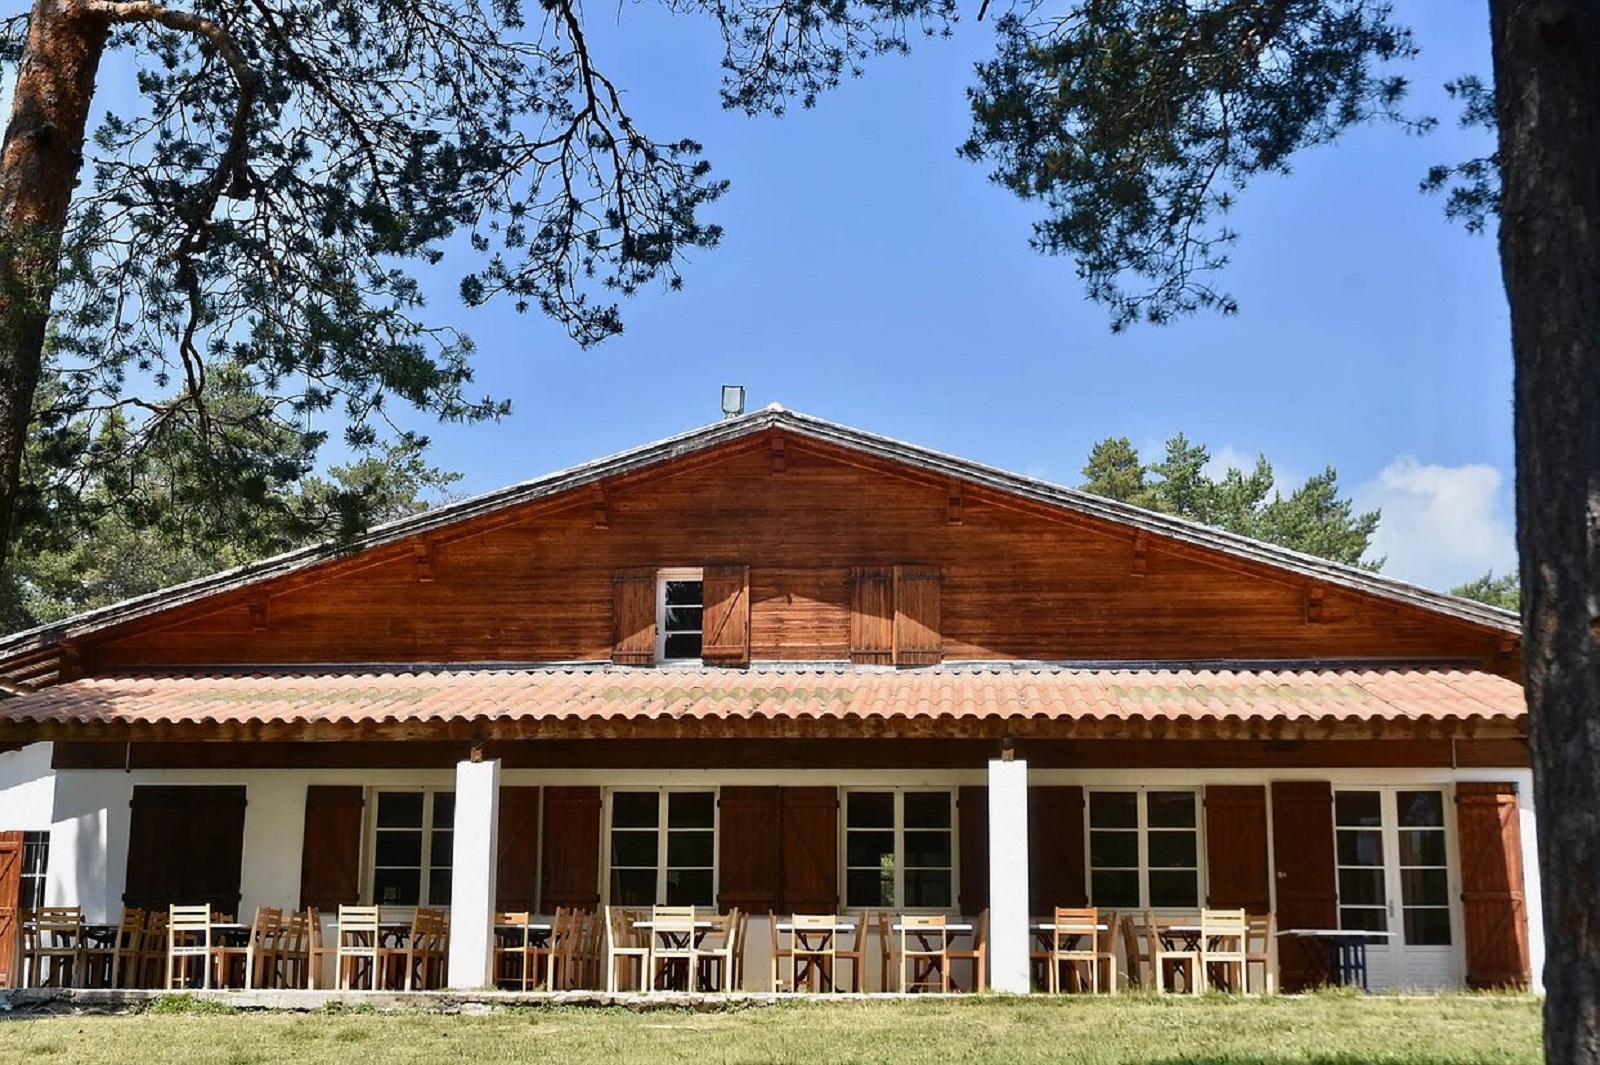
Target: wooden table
[930, 966]
[813, 939]
[1346, 950]
[676, 939]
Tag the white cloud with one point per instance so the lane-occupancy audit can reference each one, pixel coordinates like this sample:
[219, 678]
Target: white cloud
[1442, 525]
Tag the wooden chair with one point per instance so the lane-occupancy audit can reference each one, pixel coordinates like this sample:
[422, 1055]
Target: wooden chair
[855, 954]
[978, 955]
[358, 943]
[512, 940]
[738, 953]
[1261, 948]
[780, 953]
[1072, 927]
[52, 947]
[552, 960]
[188, 940]
[811, 950]
[1106, 947]
[1179, 957]
[419, 965]
[152, 950]
[103, 960]
[129, 947]
[594, 949]
[924, 950]
[885, 948]
[318, 950]
[1135, 952]
[1223, 937]
[625, 944]
[673, 944]
[717, 952]
[292, 958]
[252, 954]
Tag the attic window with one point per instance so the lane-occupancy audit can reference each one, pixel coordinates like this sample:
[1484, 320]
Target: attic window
[680, 613]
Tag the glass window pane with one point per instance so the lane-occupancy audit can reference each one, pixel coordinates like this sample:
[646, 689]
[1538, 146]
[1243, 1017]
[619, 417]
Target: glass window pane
[1113, 809]
[396, 887]
[869, 849]
[1117, 850]
[683, 645]
[633, 887]
[1360, 847]
[689, 849]
[1357, 809]
[635, 809]
[1424, 887]
[1171, 809]
[399, 809]
[398, 848]
[691, 809]
[634, 849]
[1116, 889]
[927, 809]
[439, 887]
[1369, 919]
[868, 887]
[927, 850]
[684, 593]
[1428, 927]
[682, 619]
[444, 809]
[1422, 848]
[869, 809]
[440, 856]
[689, 887]
[1361, 886]
[1173, 850]
[927, 888]
[1421, 809]
[1174, 889]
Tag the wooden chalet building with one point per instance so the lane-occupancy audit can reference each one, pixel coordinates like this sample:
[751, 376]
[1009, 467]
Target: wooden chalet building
[786, 665]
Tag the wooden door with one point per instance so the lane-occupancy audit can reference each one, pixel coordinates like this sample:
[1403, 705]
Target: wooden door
[185, 847]
[10, 903]
[1302, 847]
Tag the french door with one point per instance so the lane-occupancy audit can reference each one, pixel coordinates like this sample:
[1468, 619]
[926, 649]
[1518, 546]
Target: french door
[1397, 874]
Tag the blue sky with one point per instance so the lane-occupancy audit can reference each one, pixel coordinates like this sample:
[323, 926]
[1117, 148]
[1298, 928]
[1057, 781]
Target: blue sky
[870, 276]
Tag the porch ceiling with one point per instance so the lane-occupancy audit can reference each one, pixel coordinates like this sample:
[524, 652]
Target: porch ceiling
[607, 701]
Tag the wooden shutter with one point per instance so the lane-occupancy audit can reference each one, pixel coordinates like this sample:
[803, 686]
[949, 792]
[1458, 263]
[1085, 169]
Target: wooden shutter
[330, 847]
[1302, 847]
[1236, 848]
[917, 640]
[972, 813]
[749, 849]
[571, 875]
[633, 615]
[726, 620]
[10, 902]
[810, 834]
[517, 852]
[1493, 903]
[872, 616]
[1055, 849]
[185, 846]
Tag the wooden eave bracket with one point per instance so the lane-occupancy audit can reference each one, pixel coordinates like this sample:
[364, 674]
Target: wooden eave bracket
[953, 515]
[422, 553]
[1314, 598]
[776, 446]
[1141, 554]
[258, 614]
[602, 507]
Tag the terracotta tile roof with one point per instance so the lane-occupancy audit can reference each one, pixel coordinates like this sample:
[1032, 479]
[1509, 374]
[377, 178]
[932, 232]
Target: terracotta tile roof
[838, 695]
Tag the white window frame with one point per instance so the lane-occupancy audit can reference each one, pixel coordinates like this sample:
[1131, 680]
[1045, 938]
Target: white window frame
[899, 792]
[1143, 831]
[661, 836]
[680, 573]
[370, 863]
[1389, 831]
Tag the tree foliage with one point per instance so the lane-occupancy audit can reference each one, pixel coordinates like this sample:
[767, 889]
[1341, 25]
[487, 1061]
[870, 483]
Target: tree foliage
[1504, 591]
[1314, 518]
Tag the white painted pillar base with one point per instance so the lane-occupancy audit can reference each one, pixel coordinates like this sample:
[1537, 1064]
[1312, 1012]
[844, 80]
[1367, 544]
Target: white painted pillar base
[1533, 898]
[472, 877]
[1008, 876]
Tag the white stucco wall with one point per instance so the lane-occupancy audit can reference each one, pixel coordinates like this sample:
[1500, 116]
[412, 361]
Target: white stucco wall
[27, 789]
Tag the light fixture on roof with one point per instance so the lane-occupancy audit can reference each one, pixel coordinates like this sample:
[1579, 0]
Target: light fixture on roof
[732, 400]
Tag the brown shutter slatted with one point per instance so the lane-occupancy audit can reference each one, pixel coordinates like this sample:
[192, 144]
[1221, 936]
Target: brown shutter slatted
[633, 615]
[1055, 848]
[1302, 848]
[571, 865]
[330, 847]
[749, 849]
[972, 812]
[10, 902]
[1494, 906]
[517, 854]
[917, 639]
[1236, 848]
[726, 621]
[872, 616]
[810, 834]
[185, 846]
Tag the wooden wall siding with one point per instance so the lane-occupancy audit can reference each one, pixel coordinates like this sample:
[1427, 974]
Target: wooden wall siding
[1018, 583]
[1236, 848]
[330, 847]
[1493, 897]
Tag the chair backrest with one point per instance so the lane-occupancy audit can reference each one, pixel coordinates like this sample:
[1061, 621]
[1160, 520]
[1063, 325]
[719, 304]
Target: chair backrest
[672, 918]
[130, 933]
[1263, 927]
[1072, 923]
[1226, 924]
[921, 927]
[57, 925]
[980, 938]
[295, 937]
[266, 926]
[358, 921]
[1131, 949]
[517, 921]
[189, 919]
[1105, 942]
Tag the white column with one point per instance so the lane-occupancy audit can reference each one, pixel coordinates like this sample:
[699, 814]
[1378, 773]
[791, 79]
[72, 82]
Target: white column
[1008, 876]
[1533, 899]
[472, 876]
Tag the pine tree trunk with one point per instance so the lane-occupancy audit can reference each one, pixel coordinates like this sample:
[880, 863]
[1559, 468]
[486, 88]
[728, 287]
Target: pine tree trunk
[1547, 85]
[39, 164]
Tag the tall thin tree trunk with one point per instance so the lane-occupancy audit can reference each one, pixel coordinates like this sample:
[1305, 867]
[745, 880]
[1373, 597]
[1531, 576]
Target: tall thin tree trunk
[1547, 86]
[39, 163]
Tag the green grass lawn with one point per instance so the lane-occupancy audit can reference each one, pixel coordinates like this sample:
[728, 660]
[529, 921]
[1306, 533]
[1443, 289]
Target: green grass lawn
[1325, 1028]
